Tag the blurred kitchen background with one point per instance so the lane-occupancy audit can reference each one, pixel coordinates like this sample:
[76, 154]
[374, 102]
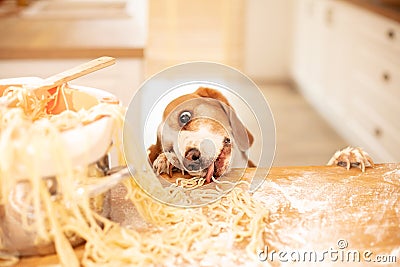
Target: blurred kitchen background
[330, 69]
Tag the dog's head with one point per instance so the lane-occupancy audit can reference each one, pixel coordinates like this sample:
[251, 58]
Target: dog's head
[202, 130]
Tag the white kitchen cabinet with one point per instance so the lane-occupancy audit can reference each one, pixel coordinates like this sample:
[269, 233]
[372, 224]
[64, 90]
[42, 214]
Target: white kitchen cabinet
[346, 62]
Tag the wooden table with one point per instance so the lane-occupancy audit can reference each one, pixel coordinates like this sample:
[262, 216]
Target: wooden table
[327, 207]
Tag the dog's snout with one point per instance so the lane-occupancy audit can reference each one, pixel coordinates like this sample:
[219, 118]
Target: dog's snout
[193, 154]
[192, 159]
[200, 156]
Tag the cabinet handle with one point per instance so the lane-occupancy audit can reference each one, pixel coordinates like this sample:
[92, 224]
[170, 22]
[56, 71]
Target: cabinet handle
[329, 16]
[386, 76]
[377, 132]
[391, 34]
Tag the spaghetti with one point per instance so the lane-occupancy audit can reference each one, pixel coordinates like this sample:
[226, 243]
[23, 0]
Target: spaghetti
[174, 235]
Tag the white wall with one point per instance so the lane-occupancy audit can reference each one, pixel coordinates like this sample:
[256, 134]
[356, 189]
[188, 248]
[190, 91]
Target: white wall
[268, 30]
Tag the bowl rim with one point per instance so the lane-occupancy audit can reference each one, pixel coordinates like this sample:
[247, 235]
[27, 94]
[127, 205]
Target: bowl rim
[95, 137]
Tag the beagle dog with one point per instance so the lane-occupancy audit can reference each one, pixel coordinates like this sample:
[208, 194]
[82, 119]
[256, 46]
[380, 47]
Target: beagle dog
[200, 134]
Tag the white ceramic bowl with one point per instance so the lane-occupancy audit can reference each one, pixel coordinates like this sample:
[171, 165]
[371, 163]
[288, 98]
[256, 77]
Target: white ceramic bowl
[84, 145]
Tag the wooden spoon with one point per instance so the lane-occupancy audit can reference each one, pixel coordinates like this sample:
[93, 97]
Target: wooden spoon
[42, 90]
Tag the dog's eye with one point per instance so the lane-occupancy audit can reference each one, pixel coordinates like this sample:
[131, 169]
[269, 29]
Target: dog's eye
[185, 117]
[227, 140]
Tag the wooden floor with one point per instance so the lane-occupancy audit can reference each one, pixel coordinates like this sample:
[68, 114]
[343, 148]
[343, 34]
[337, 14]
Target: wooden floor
[303, 136]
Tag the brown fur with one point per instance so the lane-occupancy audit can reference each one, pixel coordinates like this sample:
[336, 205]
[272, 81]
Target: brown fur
[202, 92]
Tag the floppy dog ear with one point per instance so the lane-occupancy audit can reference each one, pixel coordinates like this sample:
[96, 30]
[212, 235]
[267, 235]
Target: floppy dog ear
[243, 137]
[154, 150]
[211, 93]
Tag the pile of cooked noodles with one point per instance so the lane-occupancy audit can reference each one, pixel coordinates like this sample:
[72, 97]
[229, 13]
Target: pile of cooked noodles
[175, 236]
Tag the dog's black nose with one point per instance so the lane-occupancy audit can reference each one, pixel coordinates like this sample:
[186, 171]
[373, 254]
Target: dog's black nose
[193, 154]
[192, 160]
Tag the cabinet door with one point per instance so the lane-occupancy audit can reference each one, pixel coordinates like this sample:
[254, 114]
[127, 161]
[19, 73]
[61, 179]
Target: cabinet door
[317, 53]
[347, 64]
[367, 68]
